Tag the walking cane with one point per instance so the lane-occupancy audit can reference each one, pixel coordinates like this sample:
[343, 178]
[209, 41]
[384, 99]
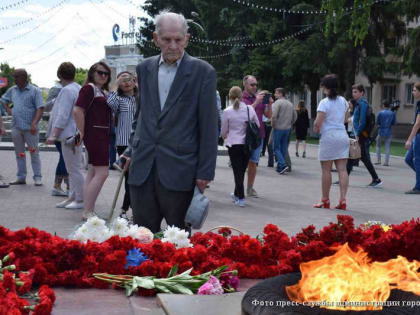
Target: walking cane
[117, 192]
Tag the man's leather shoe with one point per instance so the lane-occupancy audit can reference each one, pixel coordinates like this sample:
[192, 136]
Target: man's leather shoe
[413, 191]
[18, 182]
[3, 184]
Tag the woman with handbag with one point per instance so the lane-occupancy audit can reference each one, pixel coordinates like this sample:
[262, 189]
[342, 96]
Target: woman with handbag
[334, 142]
[93, 120]
[62, 128]
[123, 101]
[235, 120]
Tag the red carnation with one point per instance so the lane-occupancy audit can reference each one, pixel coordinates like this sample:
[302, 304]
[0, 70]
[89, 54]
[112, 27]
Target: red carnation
[270, 228]
[225, 231]
[9, 281]
[46, 292]
[148, 268]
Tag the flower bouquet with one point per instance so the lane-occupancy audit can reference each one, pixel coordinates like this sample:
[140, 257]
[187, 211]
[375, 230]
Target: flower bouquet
[217, 281]
[14, 291]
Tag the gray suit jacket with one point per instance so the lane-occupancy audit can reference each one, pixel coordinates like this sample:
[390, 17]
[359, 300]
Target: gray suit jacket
[182, 138]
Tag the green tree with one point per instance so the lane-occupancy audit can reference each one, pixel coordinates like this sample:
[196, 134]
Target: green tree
[81, 75]
[7, 72]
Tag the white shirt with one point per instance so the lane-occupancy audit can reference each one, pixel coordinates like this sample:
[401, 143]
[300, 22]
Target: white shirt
[335, 113]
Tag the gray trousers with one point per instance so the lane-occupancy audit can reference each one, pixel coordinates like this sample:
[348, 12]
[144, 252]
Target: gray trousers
[151, 202]
[74, 164]
[379, 141]
[20, 137]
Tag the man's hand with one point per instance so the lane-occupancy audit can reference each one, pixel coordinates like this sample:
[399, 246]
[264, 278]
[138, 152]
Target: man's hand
[9, 111]
[125, 162]
[259, 98]
[202, 184]
[408, 145]
[33, 129]
[50, 140]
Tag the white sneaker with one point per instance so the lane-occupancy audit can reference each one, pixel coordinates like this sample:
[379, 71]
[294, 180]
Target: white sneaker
[75, 205]
[64, 203]
[38, 182]
[59, 192]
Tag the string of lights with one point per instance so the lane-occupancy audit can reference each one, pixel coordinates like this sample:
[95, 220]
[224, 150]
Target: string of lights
[134, 5]
[266, 43]
[32, 29]
[234, 39]
[6, 27]
[215, 56]
[45, 57]
[113, 10]
[13, 5]
[47, 41]
[304, 12]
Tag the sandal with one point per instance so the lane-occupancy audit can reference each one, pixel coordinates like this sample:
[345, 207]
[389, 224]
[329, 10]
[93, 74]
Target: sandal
[325, 203]
[341, 205]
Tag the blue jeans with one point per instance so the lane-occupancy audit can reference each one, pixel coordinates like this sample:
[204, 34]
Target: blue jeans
[280, 144]
[412, 158]
[379, 141]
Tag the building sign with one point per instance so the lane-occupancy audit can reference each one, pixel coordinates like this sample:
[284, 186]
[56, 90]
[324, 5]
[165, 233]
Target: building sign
[131, 35]
[3, 82]
[115, 32]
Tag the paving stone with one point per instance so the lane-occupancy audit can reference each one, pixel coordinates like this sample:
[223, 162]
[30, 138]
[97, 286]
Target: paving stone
[285, 200]
[201, 304]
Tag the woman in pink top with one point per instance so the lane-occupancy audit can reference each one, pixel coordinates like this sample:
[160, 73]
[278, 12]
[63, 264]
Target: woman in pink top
[234, 123]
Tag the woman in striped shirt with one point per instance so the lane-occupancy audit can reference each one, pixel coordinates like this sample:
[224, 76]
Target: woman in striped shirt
[123, 104]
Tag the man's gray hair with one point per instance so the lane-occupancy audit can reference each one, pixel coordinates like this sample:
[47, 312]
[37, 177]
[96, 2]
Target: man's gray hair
[245, 79]
[173, 17]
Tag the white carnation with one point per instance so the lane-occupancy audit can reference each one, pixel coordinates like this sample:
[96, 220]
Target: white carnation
[132, 230]
[183, 243]
[95, 223]
[171, 232]
[120, 227]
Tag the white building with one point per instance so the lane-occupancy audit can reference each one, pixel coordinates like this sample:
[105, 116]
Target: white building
[122, 58]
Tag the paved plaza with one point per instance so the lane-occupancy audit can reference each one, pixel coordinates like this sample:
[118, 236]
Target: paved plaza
[285, 200]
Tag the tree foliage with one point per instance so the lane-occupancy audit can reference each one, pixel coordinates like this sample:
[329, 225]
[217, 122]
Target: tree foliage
[81, 75]
[367, 38]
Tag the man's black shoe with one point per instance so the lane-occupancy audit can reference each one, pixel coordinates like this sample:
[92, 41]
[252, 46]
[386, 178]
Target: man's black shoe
[18, 182]
[413, 191]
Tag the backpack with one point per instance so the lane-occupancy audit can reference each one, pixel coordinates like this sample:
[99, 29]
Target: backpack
[370, 123]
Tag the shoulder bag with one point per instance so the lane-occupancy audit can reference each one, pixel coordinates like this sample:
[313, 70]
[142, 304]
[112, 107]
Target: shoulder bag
[253, 137]
[354, 150]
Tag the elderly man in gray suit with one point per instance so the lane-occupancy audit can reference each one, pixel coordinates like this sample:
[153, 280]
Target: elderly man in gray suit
[174, 137]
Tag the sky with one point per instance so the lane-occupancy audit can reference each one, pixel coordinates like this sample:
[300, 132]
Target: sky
[39, 35]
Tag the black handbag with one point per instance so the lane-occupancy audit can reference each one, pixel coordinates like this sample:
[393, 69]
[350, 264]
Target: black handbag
[253, 137]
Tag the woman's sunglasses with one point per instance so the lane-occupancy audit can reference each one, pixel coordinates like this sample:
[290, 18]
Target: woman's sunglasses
[103, 73]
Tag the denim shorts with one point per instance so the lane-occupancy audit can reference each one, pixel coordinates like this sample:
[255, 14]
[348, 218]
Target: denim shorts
[255, 154]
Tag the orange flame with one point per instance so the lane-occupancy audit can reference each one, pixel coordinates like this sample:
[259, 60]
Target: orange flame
[350, 281]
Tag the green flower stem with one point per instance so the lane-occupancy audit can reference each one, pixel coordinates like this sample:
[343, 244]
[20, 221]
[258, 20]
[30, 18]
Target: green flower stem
[10, 267]
[5, 258]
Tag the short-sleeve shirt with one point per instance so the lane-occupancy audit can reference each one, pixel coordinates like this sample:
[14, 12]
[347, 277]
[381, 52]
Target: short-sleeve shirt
[97, 113]
[25, 104]
[259, 110]
[335, 113]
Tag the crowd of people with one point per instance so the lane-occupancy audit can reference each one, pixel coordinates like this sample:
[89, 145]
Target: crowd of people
[166, 119]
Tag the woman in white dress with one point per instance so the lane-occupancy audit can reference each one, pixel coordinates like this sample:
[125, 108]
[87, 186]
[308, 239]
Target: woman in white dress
[334, 142]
